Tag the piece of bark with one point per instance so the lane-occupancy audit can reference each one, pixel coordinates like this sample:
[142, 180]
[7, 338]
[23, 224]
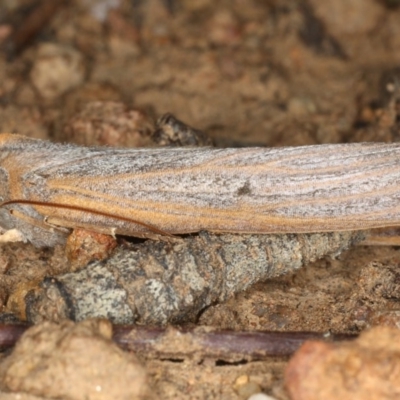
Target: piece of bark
[172, 281]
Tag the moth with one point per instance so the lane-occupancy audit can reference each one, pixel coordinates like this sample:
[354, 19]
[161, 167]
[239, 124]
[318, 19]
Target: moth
[47, 188]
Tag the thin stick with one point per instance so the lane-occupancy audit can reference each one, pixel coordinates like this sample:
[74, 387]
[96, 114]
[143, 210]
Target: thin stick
[203, 342]
[10, 333]
[26, 31]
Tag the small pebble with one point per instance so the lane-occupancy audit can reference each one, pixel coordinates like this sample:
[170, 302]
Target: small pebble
[241, 380]
[56, 70]
[366, 368]
[244, 387]
[261, 396]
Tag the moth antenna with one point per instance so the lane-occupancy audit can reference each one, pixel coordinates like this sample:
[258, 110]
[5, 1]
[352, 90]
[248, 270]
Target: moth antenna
[88, 210]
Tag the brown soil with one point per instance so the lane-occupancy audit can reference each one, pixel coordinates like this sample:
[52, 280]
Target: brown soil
[267, 73]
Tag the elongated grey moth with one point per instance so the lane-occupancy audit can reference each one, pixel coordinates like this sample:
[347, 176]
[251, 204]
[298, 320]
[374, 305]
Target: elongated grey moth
[47, 187]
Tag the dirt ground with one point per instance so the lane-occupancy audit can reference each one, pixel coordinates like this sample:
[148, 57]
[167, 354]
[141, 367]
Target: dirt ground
[265, 73]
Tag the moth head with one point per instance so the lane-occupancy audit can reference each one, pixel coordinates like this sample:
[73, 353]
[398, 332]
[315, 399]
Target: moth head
[7, 138]
[10, 145]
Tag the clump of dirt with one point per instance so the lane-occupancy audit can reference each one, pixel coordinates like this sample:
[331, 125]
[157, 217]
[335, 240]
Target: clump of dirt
[367, 368]
[74, 361]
